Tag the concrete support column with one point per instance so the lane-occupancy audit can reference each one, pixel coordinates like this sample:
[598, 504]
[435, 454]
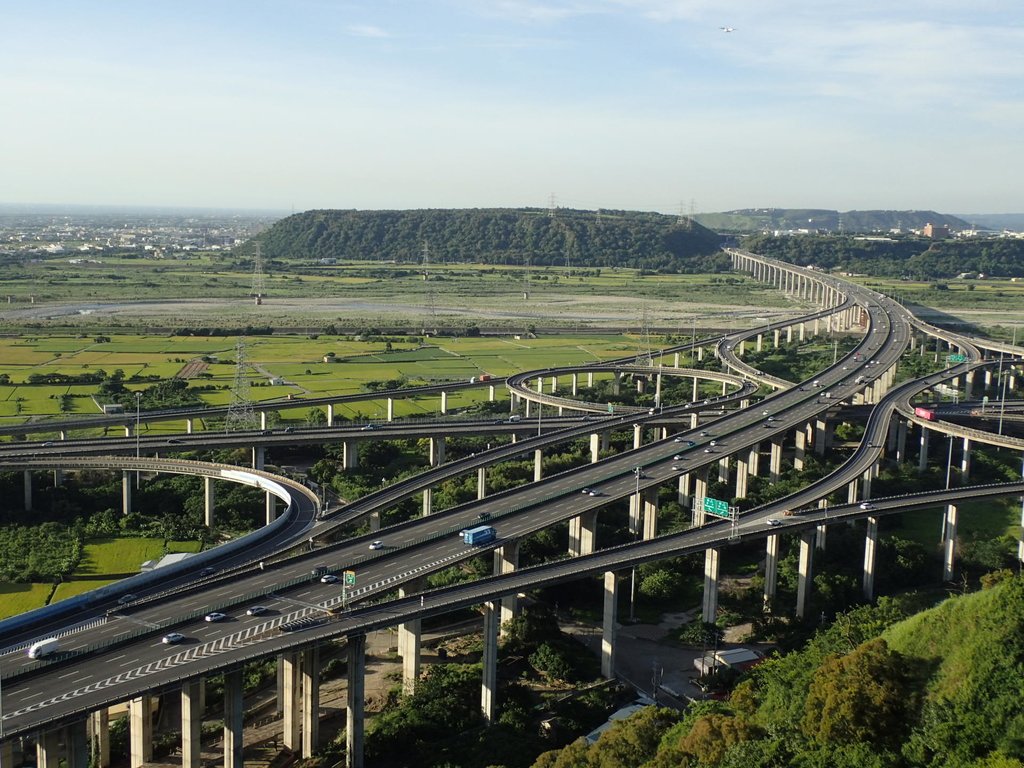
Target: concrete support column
[610, 618]
[481, 483]
[583, 534]
[754, 460]
[140, 730]
[310, 701]
[823, 437]
[771, 569]
[965, 463]
[99, 738]
[800, 438]
[723, 469]
[870, 545]
[650, 517]
[77, 744]
[356, 719]
[617, 383]
[188, 426]
[775, 461]
[742, 475]
[263, 419]
[595, 447]
[330, 414]
[683, 490]
[191, 723]
[803, 586]
[292, 700]
[575, 387]
[901, 442]
[258, 457]
[391, 409]
[775, 338]
[428, 501]
[126, 492]
[949, 544]
[437, 451]
[922, 459]
[489, 686]
[490, 393]
[209, 501]
[538, 464]
[696, 391]
[7, 754]
[48, 749]
[506, 560]
[444, 402]
[234, 711]
[709, 609]
[349, 454]
[27, 481]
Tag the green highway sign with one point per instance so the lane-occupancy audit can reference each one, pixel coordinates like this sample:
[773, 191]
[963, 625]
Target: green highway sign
[716, 507]
[956, 358]
[350, 578]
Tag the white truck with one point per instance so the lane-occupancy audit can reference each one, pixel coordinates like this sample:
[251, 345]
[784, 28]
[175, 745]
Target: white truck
[43, 648]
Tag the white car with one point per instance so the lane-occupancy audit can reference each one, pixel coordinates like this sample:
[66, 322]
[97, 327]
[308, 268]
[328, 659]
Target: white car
[867, 505]
[215, 616]
[171, 638]
[328, 578]
[377, 544]
[773, 521]
[257, 610]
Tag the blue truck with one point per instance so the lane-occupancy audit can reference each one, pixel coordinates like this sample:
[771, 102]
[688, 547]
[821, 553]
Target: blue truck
[479, 535]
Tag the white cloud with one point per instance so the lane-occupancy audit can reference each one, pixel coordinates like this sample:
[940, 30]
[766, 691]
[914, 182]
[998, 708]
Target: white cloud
[367, 30]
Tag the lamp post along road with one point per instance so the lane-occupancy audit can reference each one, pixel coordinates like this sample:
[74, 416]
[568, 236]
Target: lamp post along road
[138, 422]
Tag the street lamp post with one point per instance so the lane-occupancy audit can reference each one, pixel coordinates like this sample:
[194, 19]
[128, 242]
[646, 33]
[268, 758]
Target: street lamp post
[949, 469]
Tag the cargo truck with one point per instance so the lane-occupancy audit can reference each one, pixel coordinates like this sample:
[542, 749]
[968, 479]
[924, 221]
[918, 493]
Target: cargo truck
[43, 648]
[479, 535]
[925, 414]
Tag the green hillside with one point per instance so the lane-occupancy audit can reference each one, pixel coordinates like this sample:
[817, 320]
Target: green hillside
[748, 220]
[943, 688]
[498, 236]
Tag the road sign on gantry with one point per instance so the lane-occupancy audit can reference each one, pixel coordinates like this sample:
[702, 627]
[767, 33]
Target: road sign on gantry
[716, 507]
[956, 358]
[350, 578]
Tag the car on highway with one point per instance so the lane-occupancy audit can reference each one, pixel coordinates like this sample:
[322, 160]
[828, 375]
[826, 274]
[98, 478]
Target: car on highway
[867, 505]
[328, 578]
[704, 433]
[48, 444]
[257, 610]
[708, 450]
[678, 457]
[215, 616]
[175, 441]
[367, 427]
[378, 544]
[677, 468]
[713, 443]
[131, 597]
[208, 571]
[171, 638]
[590, 492]
[773, 521]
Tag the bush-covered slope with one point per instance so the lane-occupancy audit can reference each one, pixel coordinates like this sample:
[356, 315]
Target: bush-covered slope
[941, 689]
[499, 236]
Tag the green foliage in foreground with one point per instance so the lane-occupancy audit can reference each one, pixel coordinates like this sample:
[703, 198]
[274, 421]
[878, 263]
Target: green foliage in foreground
[940, 689]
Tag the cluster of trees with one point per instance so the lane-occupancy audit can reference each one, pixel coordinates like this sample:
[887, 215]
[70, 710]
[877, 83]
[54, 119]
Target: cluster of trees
[912, 257]
[875, 689]
[247, 330]
[40, 553]
[499, 236]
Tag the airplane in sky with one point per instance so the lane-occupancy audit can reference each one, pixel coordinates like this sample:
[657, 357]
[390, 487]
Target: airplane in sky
[728, 29]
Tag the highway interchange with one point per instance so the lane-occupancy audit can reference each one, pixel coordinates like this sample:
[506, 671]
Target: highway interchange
[123, 655]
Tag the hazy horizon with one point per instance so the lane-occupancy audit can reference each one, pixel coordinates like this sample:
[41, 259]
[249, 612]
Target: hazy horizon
[626, 104]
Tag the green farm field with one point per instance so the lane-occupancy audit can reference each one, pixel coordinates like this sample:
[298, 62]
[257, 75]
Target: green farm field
[18, 598]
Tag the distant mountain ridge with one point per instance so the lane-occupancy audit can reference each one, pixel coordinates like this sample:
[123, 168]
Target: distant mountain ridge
[517, 236]
[747, 220]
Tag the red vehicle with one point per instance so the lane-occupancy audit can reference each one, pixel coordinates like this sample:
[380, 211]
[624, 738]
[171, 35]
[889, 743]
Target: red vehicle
[925, 413]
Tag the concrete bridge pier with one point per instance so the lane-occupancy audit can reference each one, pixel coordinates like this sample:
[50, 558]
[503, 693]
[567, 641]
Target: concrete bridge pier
[140, 730]
[775, 460]
[506, 560]
[428, 501]
[126, 492]
[349, 454]
[683, 490]
[437, 446]
[27, 481]
[355, 723]
[870, 547]
[583, 534]
[98, 732]
[310, 701]
[771, 569]
[444, 402]
[709, 609]
[409, 642]
[608, 624]
[234, 711]
[804, 575]
[595, 447]
[209, 501]
[650, 517]
[489, 684]
[949, 543]
[538, 464]
[191, 723]
[391, 409]
[481, 483]
[922, 458]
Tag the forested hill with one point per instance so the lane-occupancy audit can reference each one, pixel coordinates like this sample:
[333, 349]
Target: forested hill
[913, 257]
[499, 236]
[824, 220]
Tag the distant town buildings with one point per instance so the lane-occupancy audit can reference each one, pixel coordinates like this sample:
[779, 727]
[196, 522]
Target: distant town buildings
[935, 231]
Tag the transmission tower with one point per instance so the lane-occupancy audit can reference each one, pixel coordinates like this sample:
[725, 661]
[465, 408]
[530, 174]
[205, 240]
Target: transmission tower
[643, 344]
[241, 415]
[258, 289]
[430, 320]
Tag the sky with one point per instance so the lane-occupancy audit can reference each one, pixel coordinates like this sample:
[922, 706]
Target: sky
[622, 104]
